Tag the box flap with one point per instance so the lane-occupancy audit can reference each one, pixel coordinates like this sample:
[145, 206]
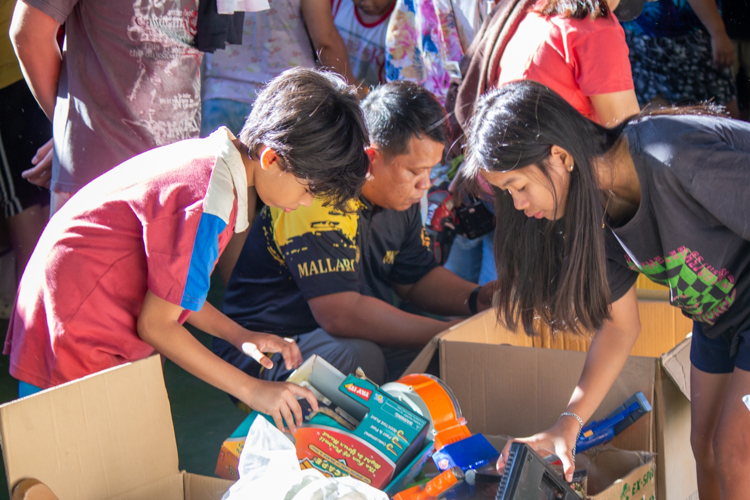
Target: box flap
[662, 328]
[677, 365]
[97, 437]
[204, 487]
[520, 391]
[638, 482]
[165, 488]
[422, 361]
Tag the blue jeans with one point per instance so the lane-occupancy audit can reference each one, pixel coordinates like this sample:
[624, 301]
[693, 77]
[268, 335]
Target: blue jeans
[473, 260]
[489, 271]
[218, 112]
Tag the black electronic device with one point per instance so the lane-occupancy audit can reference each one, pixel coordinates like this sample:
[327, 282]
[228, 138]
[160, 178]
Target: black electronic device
[475, 219]
[528, 477]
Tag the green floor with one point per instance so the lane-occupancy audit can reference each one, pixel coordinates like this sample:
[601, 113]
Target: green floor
[203, 416]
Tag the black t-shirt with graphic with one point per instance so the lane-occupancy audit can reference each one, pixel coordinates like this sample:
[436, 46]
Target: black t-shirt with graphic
[692, 229]
[290, 258]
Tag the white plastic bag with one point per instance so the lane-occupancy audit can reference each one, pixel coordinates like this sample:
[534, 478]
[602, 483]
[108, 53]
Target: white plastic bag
[269, 469]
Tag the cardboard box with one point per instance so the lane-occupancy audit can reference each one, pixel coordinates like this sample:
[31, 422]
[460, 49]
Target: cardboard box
[612, 474]
[620, 475]
[518, 385]
[106, 436]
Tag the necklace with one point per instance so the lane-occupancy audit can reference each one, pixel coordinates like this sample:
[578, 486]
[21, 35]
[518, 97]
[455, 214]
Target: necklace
[609, 197]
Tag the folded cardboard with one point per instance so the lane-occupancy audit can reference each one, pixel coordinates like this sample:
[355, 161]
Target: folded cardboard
[509, 383]
[387, 438]
[106, 436]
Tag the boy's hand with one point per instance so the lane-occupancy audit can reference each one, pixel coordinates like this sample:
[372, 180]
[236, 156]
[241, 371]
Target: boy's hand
[254, 344]
[278, 399]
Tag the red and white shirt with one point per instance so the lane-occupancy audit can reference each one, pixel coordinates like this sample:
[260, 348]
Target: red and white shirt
[156, 222]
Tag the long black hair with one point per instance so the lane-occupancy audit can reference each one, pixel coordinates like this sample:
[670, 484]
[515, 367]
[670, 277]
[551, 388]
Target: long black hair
[553, 270]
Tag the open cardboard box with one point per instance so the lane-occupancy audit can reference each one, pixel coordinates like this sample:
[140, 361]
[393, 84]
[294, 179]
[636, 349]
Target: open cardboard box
[612, 474]
[512, 384]
[106, 436]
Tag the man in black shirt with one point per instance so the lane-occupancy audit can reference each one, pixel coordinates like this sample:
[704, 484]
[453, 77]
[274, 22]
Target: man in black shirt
[327, 278]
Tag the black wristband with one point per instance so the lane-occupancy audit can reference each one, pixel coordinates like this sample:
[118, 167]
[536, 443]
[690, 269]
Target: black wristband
[473, 299]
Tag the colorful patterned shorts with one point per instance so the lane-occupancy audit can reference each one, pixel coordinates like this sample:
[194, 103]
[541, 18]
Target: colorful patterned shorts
[678, 69]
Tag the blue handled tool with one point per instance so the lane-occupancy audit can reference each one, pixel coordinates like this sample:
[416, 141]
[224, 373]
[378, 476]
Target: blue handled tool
[601, 431]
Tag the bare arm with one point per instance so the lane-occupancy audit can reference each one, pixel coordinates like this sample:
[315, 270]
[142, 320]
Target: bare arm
[352, 315]
[216, 323]
[158, 325]
[442, 292]
[33, 34]
[608, 353]
[614, 107]
[708, 13]
[326, 39]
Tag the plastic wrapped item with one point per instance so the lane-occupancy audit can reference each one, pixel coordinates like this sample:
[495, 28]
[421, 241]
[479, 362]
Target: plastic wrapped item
[269, 469]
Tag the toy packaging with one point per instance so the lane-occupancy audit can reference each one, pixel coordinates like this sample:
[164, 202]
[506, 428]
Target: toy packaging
[359, 430]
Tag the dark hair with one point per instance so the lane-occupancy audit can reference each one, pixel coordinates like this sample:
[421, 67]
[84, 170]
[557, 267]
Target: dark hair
[577, 9]
[551, 270]
[396, 111]
[312, 120]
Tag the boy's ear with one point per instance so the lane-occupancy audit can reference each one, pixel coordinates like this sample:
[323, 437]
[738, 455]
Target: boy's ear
[267, 158]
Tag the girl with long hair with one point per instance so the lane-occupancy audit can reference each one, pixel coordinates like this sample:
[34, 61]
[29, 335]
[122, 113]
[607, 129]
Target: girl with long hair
[583, 209]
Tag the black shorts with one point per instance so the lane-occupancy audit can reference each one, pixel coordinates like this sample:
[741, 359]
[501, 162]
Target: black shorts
[23, 129]
[712, 355]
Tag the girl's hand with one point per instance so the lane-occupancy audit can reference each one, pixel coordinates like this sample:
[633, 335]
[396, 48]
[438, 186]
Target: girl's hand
[558, 440]
[279, 400]
[254, 344]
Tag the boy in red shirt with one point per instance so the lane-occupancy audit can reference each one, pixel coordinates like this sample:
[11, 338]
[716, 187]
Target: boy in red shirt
[127, 260]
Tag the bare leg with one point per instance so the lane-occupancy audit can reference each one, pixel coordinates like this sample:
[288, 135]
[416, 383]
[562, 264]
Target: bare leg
[732, 440]
[708, 392]
[25, 229]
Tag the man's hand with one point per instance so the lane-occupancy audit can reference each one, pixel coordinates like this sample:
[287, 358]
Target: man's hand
[41, 174]
[484, 299]
[254, 344]
[279, 400]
